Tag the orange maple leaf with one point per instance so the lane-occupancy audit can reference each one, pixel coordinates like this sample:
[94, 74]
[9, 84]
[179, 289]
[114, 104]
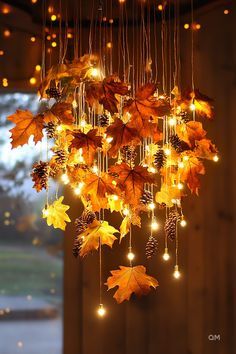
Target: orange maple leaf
[191, 132]
[203, 104]
[122, 135]
[205, 149]
[193, 167]
[105, 93]
[89, 143]
[97, 188]
[26, 125]
[130, 280]
[145, 108]
[132, 181]
[60, 112]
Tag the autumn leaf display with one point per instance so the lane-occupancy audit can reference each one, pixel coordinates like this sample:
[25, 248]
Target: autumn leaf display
[89, 143]
[190, 172]
[61, 113]
[26, 125]
[56, 215]
[191, 132]
[95, 233]
[130, 280]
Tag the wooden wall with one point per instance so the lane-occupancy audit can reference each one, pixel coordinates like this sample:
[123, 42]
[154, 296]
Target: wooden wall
[180, 315]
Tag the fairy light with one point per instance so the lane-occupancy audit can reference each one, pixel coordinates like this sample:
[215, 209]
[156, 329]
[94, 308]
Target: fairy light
[53, 18]
[69, 35]
[95, 169]
[5, 10]
[4, 82]
[1, 53]
[121, 1]
[74, 104]
[198, 26]
[151, 206]
[154, 224]
[65, 178]
[6, 33]
[34, 1]
[38, 68]
[126, 211]
[166, 255]
[115, 197]
[226, 12]
[216, 158]
[48, 37]
[33, 39]
[176, 273]
[83, 123]
[78, 189]
[192, 107]
[45, 212]
[181, 164]
[130, 256]
[59, 128]
[109, 139]
[186, 158]
[186, 26]
[180, 186]
[172, 121]
[160, 7]
[183, 223]
[152, 169]
[109, 45]
[32, 81]
[101, 311]
[167, 151]
[95, 72]
[54, 35]
[54, 44]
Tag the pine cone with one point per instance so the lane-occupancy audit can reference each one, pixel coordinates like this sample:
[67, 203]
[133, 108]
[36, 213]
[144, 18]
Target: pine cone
[77, 245]
[146, 198]
[103, 120]
[128, 154]
[60, 157]
[53, 92]
[178, 144]
[81, 224]
[170, 225]
[50, 130]
[159, 159]
[151, 247]
[40, 174]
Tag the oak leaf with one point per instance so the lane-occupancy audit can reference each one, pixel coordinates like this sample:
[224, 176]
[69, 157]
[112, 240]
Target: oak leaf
[145, 108]
[95, 233]
[132, 181]
[89, 143]
[56, 215]
[121, 135]
[26, 125]
[130, 280]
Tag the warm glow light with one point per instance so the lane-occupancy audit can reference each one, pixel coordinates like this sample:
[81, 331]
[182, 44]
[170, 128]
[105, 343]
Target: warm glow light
[38, 68]
[180, 186]
[69, 35]
[45, 212]
[166, 255]
[65, 178]
[53, 18]
[176, 273]
[198, 26]
[1, 53]
[5, 10]
[6, 33]
[186, 158]
[95, 169]
[152, 169]
[59, 128]
[19, 344]
[154, 225]
[4, 82]
[172, 121]
[95, 72]
[183, 223]
[33, 39]
[151, 206]
[109, 45]
[54, 35]
[181, 164]
[160, 7]
[48, 37]
[78, 189]
[226, 12]
[109, 139]
[83, 123]
[121, 1]
[34, 1]
[126, 211]
[167, 151]
[54, 44]
[115, 197]
[215, 158]
[186, 26]
[192, 107]
[74, 104]
[32, 81]
[130, 256]
[101, 311]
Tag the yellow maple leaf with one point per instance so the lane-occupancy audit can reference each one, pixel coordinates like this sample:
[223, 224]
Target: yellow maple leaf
[55, 214]
[130, 280]
[95, 233]
[167, 195]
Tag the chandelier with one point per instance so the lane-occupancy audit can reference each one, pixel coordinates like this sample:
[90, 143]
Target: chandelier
[131, 143]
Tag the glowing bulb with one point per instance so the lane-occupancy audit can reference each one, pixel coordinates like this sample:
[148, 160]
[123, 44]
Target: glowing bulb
[115, 197]
[59, 128]
[183, 223]
[45, 212]
[192, 107]
[226, 12]
[160, 7]
[186, 26]
[33, 39]
[181, 164]
[109, 45]
[167, 152]
[53, 18]
[176, 273]
[186, 158]
[180, 186]
[130, 256]
[32, 81]
[19, 344]
[5, 10]
[198, 26]
[95, 72]
[38, 68]
[154, 225]
[34, 1]
[54, 44]
[151, 206]
[172, 121]
[6, 33]
[74, 104]
[1, 53]
[65, 178]
[4, 82]
[101, 311]
[166, 255]
[126, 211]
[95, 169]
[83, 123]
[77, 191]
[109, 139]
[215, 158]
[121, 1]
[69, 35]
[152, 169]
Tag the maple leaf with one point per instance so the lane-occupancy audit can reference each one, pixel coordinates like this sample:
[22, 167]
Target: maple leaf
[132, 181]
[130, 219]
[190, 132]
[26, 125]
[105, 93]
[121, 135]
[96, 232]
[88, 143]
[193, 167]
[60, 112]
[56, 215]
[167, 194]
[203, 104]
[205, 149]
[130, 280]
[97, 188]
[144, 108]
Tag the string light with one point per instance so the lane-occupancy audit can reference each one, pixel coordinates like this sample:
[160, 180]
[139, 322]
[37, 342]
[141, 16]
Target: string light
[101, 311]
[192, 107]
[32, 81]
[69, 35]
[95, 72]
[181, 164]
[160, 7]
[4, 82]
[65, 178]
[115, 197]
[95, 169]
[154, 225]
[126, 211]
[5, 10]
[53, 18]
[33, 39]
[183, 223]
[48, 37]
[186, 26]
[109, 139]
[198, 26]
[54, 44]
[109, 45]
[78, 189]
[1, 53]
[172, 121]
[226, 12]
[180, 186]
[176, 273]
[151, 206]
[45, 212]
[216, 158]
[6, 33]
[130, 256]
[34, 1]
[167, 151]
[166, 255]
[59, 128]
[38, 68]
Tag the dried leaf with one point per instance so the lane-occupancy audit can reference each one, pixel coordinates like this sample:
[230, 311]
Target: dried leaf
[61, 113]
[56, 215]
[88, 143]
[167, 194]
[130, 280]
[191, 132]
[205, 149]
[130, 219]
[132, 181]
[95, 233]
[26, 125]
[121, 135]
[193, 167]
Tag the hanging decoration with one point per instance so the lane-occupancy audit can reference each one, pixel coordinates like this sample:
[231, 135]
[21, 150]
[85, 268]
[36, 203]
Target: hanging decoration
[123, 143]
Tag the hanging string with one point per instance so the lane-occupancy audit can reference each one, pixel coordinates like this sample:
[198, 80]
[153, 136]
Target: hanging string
[192, 45]
[43, 64]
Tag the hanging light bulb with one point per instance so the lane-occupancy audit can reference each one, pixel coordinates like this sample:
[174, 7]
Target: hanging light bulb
[109, 139]
[216, 158]
[101, 311]
[95, 73]
[95, 169]
[172, 121]
[115, 197]
[154, 225]
[176, 273]
[192, 107]
[83, 123]
[167, 151]
[126, 211]
[151, 206]
[130, 256]
[65, 178]
[181, 164]
[183, 222]
[166, 255]
[45, 212]
[180, 186]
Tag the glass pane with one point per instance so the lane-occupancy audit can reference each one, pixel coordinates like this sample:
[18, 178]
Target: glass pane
[31, 257]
